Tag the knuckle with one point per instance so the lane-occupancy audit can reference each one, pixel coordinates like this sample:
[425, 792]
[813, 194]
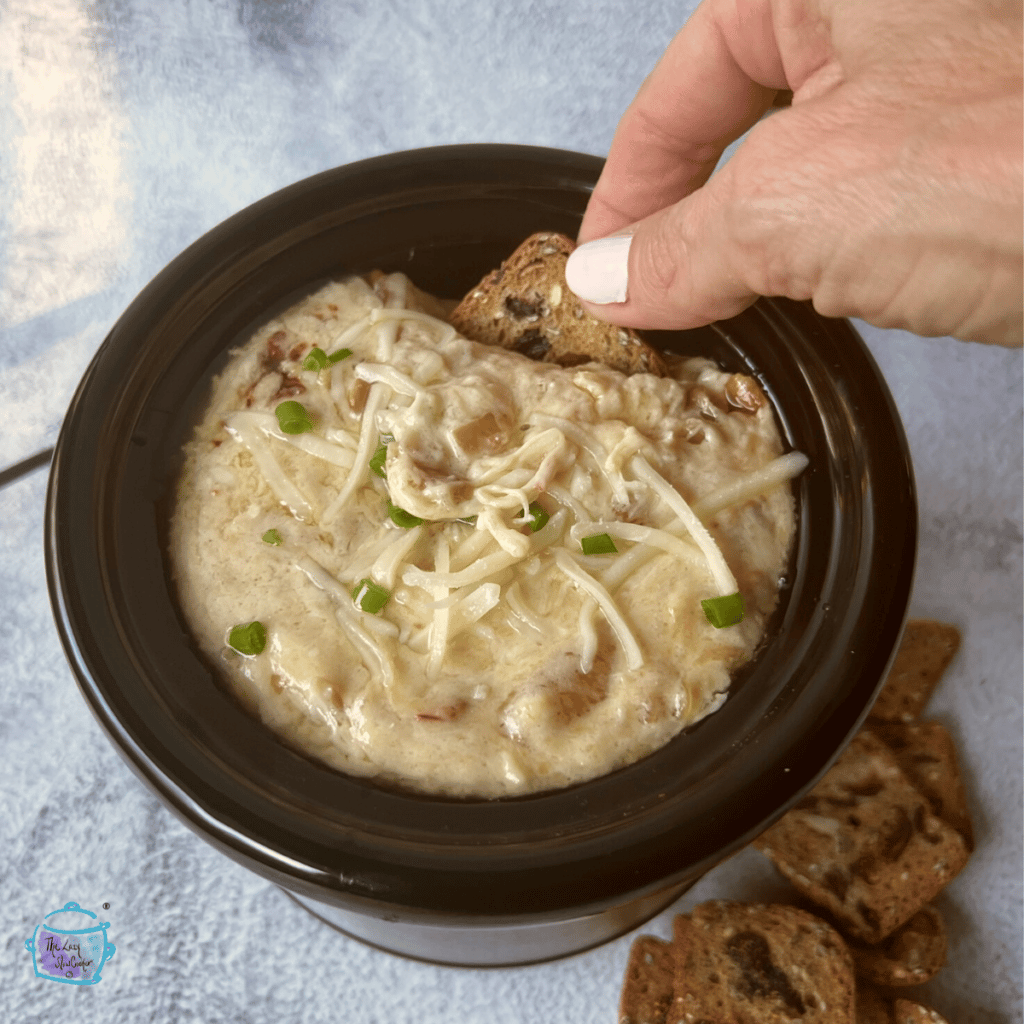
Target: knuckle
[664, 137]
[657, 270]
[772, 257]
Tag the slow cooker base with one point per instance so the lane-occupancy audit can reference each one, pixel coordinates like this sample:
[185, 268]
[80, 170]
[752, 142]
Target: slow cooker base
[490, 945]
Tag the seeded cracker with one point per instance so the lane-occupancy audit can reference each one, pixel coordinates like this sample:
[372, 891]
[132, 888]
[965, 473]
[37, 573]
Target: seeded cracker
[924, 653]
[525, 305]
[647, 989]
[912, 955]
[927, 754]
[759, 964]
[864, 844]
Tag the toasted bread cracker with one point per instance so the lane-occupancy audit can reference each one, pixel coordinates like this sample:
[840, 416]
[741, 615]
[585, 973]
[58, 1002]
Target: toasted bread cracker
[647, 989]
[923, 656]
[769, 964]
[912, 955]
[927, 754]
[525, 305]
[864, 845]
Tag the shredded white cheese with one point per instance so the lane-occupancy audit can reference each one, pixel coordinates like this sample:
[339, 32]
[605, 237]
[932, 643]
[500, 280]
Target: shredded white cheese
[438, 638]
[779, 471]
[252, 436]
[399, 382]
[522, 611]
[373, 654]
[634, 656]
[385, 568]
[480, 570]
[588, 636]
[722, 574]
[649, 535]
[364, 449]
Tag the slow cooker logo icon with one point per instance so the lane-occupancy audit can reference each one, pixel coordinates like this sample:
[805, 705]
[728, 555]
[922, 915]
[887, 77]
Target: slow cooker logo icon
[70, 945]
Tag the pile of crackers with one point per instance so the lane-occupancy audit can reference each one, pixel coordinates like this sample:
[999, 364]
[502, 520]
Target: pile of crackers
[867, 850]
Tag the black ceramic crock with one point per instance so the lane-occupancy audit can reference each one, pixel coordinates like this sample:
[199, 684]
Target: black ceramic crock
[470, 882]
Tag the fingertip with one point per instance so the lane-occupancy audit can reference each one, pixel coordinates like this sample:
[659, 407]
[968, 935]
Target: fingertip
[667, 273]
[598, 271]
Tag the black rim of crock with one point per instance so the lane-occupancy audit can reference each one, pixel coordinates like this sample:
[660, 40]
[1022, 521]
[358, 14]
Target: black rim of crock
[650, 825]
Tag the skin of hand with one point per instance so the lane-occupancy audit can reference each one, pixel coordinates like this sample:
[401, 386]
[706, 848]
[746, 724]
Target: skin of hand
[890, 190]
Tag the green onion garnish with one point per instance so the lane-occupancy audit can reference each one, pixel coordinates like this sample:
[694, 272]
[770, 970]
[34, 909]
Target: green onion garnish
[540, 518]
[724, 611]
[316, 359]
[401, 518]
[467, 520]
[293, 418]
[272, 537]
[250, 639]
[378, 459]
[599, 544]
[370, 596]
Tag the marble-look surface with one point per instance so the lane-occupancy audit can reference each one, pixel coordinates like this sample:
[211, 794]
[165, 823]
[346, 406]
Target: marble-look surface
[129, 127]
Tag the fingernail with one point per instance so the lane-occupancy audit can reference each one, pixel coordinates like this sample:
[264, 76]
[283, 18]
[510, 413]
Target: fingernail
[598, 271]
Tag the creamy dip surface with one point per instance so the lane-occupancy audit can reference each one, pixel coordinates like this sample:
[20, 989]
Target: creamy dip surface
[506, 660]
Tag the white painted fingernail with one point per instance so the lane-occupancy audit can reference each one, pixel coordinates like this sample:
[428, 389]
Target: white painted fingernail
[598, 271]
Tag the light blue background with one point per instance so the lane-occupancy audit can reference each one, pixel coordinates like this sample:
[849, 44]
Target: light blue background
[128, 128]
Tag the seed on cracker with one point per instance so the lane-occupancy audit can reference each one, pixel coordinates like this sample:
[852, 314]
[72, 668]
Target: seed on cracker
[754, 962]
[911, 955]
[927, 754]
[907, 1012]
[924, 653]
[647, 989]
[864, 844]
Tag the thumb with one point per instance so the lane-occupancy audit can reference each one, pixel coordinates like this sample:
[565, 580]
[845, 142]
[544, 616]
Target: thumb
[672, 270]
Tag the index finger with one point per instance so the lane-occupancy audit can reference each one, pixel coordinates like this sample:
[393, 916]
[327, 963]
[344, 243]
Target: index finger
[716, 78]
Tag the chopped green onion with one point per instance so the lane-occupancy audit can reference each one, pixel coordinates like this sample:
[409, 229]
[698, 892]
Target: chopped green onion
[401, 518]
[540, 517]
[467, 520]
[378, 459]
[316, 359]
[293, 418]
[272, 537]
[250, 639]
[724, 611]
[370, 596]
[599, 544]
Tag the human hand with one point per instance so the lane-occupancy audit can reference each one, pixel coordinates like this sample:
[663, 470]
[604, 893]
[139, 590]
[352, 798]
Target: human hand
[890, 190]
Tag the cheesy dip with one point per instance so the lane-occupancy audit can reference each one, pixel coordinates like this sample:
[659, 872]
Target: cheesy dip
[450, 568]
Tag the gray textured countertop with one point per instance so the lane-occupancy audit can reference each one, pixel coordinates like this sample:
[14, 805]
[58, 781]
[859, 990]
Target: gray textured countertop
[128, 128]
